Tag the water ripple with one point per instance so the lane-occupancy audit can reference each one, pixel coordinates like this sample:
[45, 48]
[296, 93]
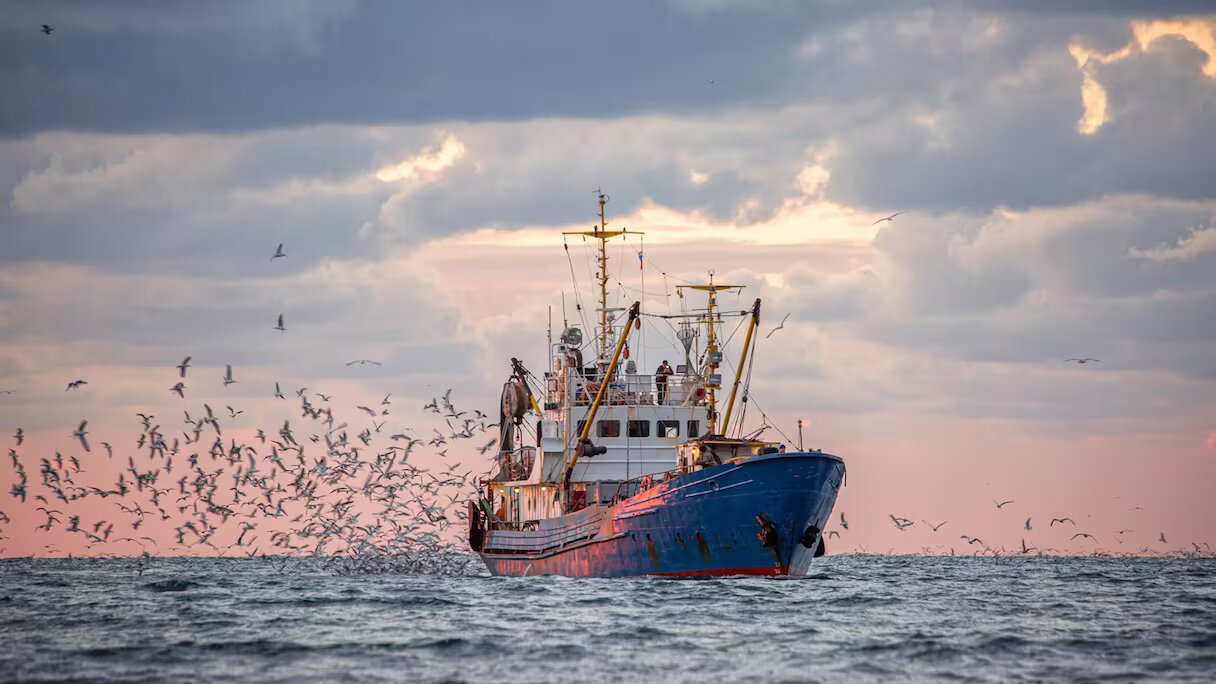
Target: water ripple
[868, 618]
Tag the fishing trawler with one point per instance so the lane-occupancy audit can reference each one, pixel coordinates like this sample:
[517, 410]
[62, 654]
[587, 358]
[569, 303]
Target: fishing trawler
[605, 472]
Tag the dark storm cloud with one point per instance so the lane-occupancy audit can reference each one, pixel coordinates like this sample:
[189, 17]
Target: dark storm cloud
[135, 67]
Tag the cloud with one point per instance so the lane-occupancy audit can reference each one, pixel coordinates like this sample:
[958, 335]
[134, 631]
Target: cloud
[1199, 32]
[1200, 241]
[427, 164]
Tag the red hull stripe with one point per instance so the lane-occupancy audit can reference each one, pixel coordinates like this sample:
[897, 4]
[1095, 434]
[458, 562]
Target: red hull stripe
[769, 570]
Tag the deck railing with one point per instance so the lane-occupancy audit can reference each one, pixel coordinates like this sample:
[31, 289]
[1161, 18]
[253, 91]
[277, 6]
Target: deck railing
[628, 389]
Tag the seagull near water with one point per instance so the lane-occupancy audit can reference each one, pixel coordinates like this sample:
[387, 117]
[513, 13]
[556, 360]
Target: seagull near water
[779, 327]
[1062, 521]
[1002, 504]
[934, 527]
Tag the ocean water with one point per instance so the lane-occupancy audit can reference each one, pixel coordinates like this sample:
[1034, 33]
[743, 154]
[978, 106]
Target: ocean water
[858, 618]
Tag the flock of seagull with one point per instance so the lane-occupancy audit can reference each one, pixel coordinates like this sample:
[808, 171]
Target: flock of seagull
[356, 503]
[355, 496]
[902, 523]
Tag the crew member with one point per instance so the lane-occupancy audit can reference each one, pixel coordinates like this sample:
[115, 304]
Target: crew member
[660, 380]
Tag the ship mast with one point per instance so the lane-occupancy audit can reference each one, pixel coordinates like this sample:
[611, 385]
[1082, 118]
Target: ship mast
[713, 355]
[602, 235]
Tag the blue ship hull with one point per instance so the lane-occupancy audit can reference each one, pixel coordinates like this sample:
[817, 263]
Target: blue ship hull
[759, 516]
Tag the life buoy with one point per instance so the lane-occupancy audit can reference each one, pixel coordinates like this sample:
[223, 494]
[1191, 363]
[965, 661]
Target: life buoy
[699, 394]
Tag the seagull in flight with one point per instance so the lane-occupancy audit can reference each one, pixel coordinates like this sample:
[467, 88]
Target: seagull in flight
[234, 412]
[843, 523]
[971, 540]
[782, 325]
[1162, 538]
[46, 29]
[280, 327]
[20, 436]
[278, 393]
[1027, 549]
[363, 362]
[1082, 361]
[888, 219]
[1001, 504]
[278, 253]
[75, 384]
[1083, 534]
[901, 523]
[228, 375]
[1061, 521]
[181, 367]
[1028, 528]
[180, 389]
[934, 527]
[80, 434]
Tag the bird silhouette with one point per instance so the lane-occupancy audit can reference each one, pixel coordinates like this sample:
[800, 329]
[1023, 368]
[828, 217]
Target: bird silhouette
[779, 327]
[888, 219]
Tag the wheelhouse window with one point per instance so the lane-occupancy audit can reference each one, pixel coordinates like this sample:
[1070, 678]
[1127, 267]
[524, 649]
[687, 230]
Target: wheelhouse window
[609, 428]
[694, 429]
[669, 429]
[639, 428]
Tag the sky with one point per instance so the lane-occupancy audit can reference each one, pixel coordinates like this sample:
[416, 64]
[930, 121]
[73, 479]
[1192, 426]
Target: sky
[1053, 163]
